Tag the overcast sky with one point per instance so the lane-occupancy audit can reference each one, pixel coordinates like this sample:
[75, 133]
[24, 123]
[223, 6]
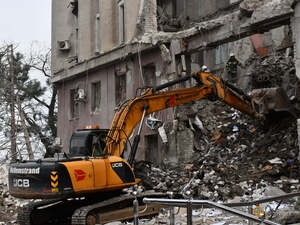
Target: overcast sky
[25, 21]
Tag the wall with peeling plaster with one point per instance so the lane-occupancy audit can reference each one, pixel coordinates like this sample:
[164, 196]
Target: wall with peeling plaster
[67, 124]
[63, 28]
[80, 30]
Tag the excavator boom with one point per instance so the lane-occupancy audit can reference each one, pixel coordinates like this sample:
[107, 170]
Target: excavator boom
[156, 99]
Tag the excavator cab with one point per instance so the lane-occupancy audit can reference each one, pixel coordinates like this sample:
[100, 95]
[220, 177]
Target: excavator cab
[88, 142]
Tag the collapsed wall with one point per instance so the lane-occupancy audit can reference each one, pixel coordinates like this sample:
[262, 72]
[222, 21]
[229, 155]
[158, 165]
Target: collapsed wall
[255, 31]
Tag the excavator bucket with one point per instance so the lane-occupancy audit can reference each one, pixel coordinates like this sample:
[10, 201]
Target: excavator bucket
[268, 101]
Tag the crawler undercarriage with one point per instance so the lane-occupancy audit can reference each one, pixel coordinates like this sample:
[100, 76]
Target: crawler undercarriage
[89, 210]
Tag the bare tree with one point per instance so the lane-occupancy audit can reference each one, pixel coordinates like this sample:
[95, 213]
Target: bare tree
[35, 111]
[41, 62]
[7, 74]
[13, 129]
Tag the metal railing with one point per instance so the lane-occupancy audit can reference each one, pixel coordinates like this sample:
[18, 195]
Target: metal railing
[227, 207]
[190, 204]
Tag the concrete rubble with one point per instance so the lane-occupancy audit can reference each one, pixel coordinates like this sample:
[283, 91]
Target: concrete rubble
[8, 204]
[235, 158]
[233, 150]
[273, 71]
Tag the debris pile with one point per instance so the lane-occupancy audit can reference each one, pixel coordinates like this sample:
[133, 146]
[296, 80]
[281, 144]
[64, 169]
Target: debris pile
[8, 204]
[273, 71]
[233, 154]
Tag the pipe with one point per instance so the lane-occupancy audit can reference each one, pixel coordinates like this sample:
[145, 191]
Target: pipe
[172, 214]
[189, 212]
[135, 209]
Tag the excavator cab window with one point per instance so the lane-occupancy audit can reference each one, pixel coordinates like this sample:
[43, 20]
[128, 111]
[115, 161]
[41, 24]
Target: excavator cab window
[98, 145]
[87, 142]
[80, 144]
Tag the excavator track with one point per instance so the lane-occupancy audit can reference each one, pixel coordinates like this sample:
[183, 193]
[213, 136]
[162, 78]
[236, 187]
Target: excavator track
[48, 212]
[26, 213]
[89, 210]
[120, 205]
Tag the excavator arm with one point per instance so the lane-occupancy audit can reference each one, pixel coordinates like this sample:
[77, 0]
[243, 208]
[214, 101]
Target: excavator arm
[154, 99]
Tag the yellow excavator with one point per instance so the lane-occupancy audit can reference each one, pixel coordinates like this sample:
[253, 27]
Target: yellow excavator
[88, 181]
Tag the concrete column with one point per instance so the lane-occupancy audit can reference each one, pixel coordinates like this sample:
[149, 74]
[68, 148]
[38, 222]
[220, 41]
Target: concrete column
[108, 25]
[296, 34]
[132, 8]
[85, 29]
[150, 16]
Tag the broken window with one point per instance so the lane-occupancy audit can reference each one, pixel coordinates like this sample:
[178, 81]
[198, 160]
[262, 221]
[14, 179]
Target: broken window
[151, 144]
[168, 7]
[120, 88]
[96, 96]
[167, 15]
[122, 25]
[222, 53]
[74, 105]
[149, 75]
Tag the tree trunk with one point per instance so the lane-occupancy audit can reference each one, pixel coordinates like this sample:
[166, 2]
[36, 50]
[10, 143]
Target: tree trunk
[25, 130]
[52, 118]
[13, 129]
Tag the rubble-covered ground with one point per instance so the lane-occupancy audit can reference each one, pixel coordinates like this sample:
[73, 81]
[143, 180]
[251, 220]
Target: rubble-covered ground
[8, 204]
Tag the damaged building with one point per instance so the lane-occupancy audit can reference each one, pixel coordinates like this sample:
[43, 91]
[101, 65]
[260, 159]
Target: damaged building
[103, 51]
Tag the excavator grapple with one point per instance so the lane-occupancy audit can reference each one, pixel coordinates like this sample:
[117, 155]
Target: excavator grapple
[268, 100]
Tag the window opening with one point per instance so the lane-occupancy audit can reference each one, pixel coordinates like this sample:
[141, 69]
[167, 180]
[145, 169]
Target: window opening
[120, 88]
[122, 25]
[74, 105]
[96, 96]
[222, 53]
[151, 144]
[149, 75]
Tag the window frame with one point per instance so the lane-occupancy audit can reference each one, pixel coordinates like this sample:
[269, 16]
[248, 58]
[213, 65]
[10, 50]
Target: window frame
[122, 22]
[149, 81]
[120, 96]
[74, 105]
[96, 96]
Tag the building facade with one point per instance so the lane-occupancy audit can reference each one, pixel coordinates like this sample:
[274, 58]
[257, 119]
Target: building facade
[104, 50]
